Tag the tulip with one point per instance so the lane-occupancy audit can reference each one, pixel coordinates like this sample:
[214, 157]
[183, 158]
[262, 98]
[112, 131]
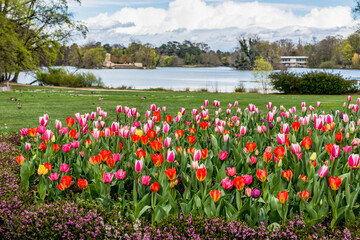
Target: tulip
[206, 103]
[323, 171]
[287, 175]
[226, 137]
[353, 161]
[306, 143]
[295, 148]
[194, 165]
[64, 168]
[139, 165]
[96, 134]
[251, 146]
[227, 183]
[334, 183]
[284, 128]
[335, 151]
[167, 142]
[82, 183]
[155, 187]
[41, 129]
[283, 196]
[253, 160]
[251, 107]
[170, 156]
[345, 118]
[223, 155]
[54, 176]
[201, 173]
[303, 178]
[239, 183]
[255, 193]
[42, 170]
[166, 128]
[281, 138]
[107, 177]
[231, 171]
[248, 192]
[171, 173]
[27, 146]
[318, 124]
[349, 98]
[145, 180]
[305, 195]
[197, 155]
[215, 194]
[261, 175]
[269, 105]
[120, 174]
[279, 152]
[70, 121]
[243, 130]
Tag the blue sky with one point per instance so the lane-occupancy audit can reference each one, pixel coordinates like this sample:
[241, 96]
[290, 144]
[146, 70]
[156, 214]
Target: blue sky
[217, 22]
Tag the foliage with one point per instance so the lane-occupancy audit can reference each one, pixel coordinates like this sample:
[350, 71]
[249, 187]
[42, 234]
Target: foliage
[63, 77]
[261, 73]
[240, 88]
[35, 29]
[310, 83]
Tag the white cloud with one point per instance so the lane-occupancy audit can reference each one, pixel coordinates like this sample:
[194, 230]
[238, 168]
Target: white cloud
[199, 20]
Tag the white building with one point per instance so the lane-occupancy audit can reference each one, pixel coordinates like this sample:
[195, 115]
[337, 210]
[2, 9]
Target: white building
[294, 61]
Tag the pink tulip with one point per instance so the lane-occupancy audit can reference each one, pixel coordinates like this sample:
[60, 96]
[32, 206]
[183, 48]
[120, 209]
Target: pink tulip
[182, 111]
[243, 130]
[75, 144]
[66, 147]
[248, 179]
[251, 107]
[206, 103]
[270, 117]
[145, 180]
[345, 118]
[281, 138]
[152, 107]
[299, 156]
[282, 108]
[57, 124]
[303, 109]
[194, 112]
[318, 104]
[329, 118]
[41, 129]
[228, 111]
[347, 149]
[170, 156]
[318, 124]
[231, 171]
[102, 124]
[227, 183]
[93, 115]
[133, 111]
[335, 151]
[166, 128]
[64, 167]
[353, 161]
[126, 110]
[284, 128]
[311, 108]
[349, 98]
[47, 135]
[116, 157]
[229, 105]
[120, 174]
[303, 104]
[263, 127]
[226, 137]
[259, 129]
[54, 176]
[194, 165]
[236, 103]
[197, 155]
[295, 148]
[139, 165]
[323, 171]
[27, 146]
[223, 155]
[269, 105]
[107, 177]
[253, 160]
[42, 121]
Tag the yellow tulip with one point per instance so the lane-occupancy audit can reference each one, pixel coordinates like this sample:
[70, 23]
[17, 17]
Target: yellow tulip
[313, 156]
[42, 170]
[139, 132]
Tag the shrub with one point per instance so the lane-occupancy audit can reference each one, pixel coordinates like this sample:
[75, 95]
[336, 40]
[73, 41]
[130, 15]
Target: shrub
[310, 83]
[63, 77]
[240, 88]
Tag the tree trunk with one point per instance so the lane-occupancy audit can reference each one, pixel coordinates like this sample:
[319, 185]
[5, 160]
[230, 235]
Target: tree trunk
[15, 78]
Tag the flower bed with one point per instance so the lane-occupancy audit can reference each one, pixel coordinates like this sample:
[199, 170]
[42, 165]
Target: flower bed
[238, 164]
[21, 219]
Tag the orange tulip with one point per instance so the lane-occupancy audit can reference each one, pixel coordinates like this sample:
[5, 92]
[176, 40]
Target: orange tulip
[251, 146]
[144, 139]
[192, 131]
[140, 153]
[168, 119]
[239, 182]
[48, 166]
[42, 146]
[306, 143]
[66, 180]
[204, 153]
[191, 140]
[334, 183]
[328, 148]
[303, 178]
[279, 152]
[204, 125]
[61, 186]
[261, 175]
[104, 154]
[32, 132]
[72, 133]
[283, 196]
[56, 147]
[171, 173]
[20, 159]
[157, 159]
[287, 175]
[201, 174]
[82, 183]
[135, 138]
[110, 162]
[267, 157]
[179, 133]
[305, 195]
[151, 134]
[156, 145]
[215, 194]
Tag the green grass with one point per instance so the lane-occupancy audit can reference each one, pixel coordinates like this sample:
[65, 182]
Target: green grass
[60, 103]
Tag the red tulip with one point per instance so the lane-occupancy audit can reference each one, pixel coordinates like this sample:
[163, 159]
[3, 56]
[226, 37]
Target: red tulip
[305, 195]
[157, 159]
[144, 139]
[295, 126]
[279, 152]
[191, 140]
[251, 146]
[287, 175]
[239, 182]
[261, 175]
[201, 173]
[104, 154]
[338, 137]
[215, 194]
[70, 121]
[306, 143]
[171, 173]
[155, 187]
[334, 183]
[82, 183]
[204, 153]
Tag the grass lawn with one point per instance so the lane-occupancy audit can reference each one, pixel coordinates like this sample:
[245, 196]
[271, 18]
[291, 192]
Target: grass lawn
[60, 103]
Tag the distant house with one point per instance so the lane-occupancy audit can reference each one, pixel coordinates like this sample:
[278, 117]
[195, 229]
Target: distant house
[108, 64]
[294, 61]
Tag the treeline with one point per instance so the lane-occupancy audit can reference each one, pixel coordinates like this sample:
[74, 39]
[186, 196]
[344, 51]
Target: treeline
[330, 52]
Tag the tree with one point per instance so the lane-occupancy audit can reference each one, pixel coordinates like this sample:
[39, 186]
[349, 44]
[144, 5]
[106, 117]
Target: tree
[355, 60]
[94, 57]
[147, 56]
[261, 72]
[39, 27]
[246, 54]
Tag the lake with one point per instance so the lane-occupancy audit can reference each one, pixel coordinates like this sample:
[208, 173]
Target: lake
[222, 79]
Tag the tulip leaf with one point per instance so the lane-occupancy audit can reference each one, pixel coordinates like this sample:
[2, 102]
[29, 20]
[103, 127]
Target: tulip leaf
[25, 174]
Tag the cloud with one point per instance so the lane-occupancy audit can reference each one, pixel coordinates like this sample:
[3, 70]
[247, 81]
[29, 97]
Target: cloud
[220, 23]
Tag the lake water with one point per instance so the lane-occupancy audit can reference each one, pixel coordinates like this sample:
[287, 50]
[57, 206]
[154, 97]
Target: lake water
[222, 79]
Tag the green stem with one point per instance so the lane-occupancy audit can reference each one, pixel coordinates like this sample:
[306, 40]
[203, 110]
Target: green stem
[351, 179]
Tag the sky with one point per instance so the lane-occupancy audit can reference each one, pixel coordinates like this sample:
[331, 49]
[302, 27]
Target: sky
[216, 22]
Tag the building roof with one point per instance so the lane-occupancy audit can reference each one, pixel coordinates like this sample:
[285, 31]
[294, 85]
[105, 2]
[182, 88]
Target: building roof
[294, 57]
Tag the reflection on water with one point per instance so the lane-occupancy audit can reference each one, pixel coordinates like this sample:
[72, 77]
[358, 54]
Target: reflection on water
[222, 79]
